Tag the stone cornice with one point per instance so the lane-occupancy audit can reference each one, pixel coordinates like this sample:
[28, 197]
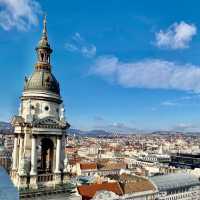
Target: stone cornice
[41, 98]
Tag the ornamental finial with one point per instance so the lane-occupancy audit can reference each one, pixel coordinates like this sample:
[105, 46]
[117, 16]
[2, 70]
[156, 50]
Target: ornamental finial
[45, 26]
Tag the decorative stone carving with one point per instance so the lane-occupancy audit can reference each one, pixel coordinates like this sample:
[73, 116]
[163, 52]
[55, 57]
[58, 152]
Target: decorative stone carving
[29, 117]
[23, 166]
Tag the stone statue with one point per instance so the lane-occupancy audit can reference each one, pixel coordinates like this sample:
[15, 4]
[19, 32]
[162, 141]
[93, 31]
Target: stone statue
[29, 117]
[62, 113]
[65, 163]
[20, 110]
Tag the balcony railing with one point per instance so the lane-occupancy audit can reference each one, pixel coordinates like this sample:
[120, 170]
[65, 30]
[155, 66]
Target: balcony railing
[45, 177]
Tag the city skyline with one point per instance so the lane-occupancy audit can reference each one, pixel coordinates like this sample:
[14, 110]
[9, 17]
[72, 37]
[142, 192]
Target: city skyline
[131, 66]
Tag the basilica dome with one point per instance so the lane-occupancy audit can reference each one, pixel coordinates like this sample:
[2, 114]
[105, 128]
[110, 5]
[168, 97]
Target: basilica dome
[42, 80]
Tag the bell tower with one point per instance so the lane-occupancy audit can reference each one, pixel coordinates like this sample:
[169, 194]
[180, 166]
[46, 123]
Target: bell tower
[40, 126]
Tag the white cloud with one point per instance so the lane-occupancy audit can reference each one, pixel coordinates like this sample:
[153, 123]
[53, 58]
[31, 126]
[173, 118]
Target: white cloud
[191, 100]
[80, 45]
[169, 103]
[186, 127]
[20, 14]
[151, 73]
[177, 36]
[120, 127]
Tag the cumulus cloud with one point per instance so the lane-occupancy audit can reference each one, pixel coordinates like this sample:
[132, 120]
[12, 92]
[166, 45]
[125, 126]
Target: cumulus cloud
[80, 45]
[20, 14]
[150, 73]
[177, 36]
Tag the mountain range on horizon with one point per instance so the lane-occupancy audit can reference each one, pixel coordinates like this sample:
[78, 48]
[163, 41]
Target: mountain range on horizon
[6, 127]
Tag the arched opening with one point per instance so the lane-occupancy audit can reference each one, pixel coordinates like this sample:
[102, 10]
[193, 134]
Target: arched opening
[42, 56]
[45, 164]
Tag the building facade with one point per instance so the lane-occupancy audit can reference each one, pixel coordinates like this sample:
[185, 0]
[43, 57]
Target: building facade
[40, 126]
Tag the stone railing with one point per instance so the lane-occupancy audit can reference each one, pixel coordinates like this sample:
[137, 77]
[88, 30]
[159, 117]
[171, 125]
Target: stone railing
[45, 177]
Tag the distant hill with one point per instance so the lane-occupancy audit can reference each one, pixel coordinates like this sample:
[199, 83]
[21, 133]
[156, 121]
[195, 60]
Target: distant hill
[90, 133]
[5, 127]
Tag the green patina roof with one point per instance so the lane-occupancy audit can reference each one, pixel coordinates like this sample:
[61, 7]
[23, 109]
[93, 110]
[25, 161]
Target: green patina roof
[42, 80]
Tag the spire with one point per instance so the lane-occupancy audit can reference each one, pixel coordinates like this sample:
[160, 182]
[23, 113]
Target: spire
[44, 32]
[43, 49]
[43, 43]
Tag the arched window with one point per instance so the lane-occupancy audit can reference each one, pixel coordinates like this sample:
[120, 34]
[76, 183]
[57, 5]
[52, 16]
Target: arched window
[42, 56]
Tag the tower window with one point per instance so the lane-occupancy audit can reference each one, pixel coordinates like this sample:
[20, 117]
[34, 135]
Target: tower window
[42, 56]
[46, 108]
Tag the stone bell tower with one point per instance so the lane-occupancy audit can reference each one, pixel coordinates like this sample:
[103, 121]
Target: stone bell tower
[40, 126]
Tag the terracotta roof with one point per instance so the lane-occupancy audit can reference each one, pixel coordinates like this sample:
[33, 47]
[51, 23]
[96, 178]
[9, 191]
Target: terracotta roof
[112, 166]
[88, 191]
[139, 186]
[88, 166]
[132, 184]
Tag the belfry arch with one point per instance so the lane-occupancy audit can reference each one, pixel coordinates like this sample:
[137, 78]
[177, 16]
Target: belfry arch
[45, 156]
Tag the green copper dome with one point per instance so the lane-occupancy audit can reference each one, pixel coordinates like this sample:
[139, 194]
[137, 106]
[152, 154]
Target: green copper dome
[42, 80]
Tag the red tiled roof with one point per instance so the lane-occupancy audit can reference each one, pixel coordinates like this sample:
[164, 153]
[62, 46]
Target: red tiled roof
[88, 191]
[88, 166]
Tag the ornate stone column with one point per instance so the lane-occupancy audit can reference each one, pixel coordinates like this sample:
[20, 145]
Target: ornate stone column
[57, 172]
[33, 173]
[22, 175]
[33, 156]
[58, 155]
[21, 149]
[15, 152]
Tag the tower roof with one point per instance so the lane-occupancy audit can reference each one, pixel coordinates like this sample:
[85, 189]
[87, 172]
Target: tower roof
[42, 78]
[43, 43]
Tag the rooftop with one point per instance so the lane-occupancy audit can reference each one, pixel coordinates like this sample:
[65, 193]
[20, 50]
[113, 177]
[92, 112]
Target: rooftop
[133, 184]
[88, 191]
[88, 166]
[174, 181]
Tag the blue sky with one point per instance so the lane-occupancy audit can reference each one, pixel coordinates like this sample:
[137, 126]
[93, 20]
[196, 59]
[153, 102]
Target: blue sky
[122, 64]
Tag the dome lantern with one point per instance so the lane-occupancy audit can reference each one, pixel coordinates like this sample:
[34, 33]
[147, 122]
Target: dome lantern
[43, 50]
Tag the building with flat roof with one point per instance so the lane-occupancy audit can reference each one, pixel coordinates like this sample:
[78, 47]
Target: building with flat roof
[185, 160]
[181, 186]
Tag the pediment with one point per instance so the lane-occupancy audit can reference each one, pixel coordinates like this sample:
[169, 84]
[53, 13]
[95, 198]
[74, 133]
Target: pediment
[49, 122]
